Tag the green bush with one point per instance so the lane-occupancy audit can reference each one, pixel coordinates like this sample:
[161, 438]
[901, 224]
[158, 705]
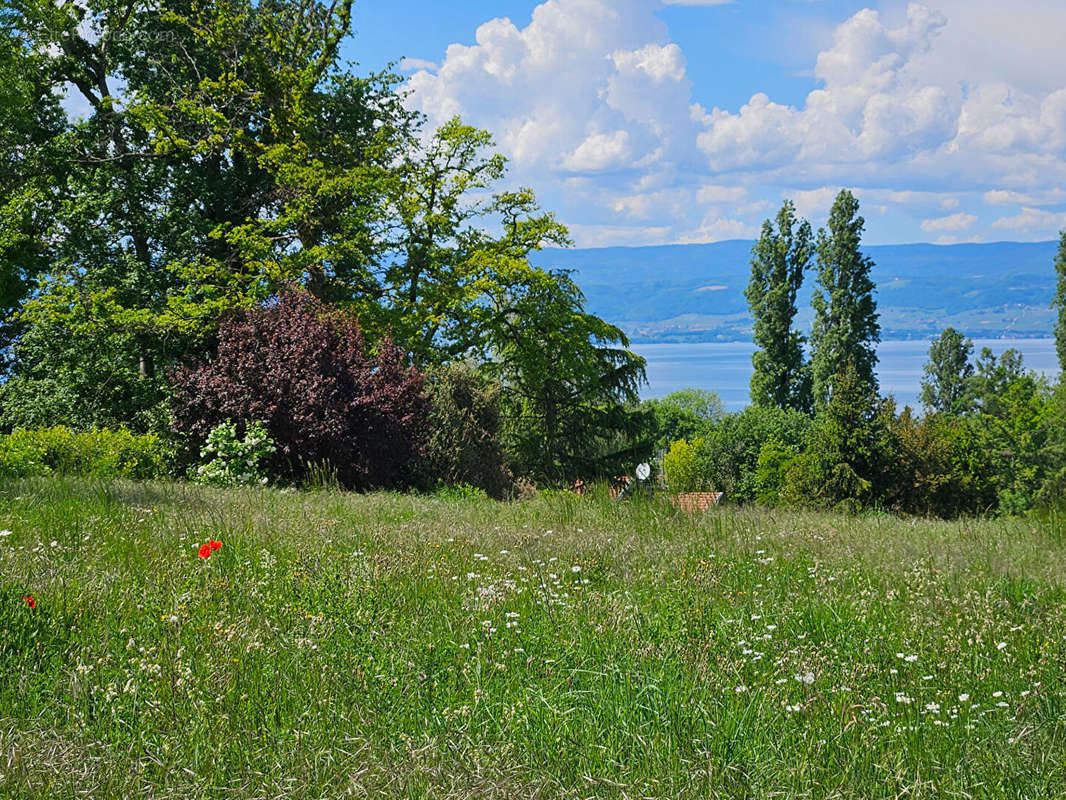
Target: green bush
[684, 467]
[99, 453]
[735, 442]
[685, 414]
[771, 471]
[943, 467]
[464, 445]
[232, 461]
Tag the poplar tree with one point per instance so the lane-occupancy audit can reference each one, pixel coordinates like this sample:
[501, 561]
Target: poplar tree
[1060, 301]
[846, 328]
[778, 261]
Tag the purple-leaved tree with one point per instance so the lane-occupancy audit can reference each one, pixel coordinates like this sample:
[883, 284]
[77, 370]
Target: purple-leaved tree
[303, 368]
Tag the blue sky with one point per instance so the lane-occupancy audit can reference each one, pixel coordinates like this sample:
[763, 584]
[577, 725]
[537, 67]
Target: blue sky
[646, 121]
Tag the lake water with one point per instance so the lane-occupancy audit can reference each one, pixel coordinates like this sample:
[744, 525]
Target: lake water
[725, 367]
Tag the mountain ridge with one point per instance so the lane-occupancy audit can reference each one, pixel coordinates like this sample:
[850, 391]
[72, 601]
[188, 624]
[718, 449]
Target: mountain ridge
[695, 292]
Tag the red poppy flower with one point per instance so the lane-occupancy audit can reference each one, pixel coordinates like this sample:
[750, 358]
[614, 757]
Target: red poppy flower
[28, 599]
[214, 545]
[205, 550]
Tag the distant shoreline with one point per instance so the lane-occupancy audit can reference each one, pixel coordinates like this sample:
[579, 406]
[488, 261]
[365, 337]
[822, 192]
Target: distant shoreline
[982, 336]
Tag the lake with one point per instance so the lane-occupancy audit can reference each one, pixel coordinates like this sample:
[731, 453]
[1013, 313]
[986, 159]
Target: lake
[725, 367]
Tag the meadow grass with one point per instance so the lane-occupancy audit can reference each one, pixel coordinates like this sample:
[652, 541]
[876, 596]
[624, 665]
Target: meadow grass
[342, 645]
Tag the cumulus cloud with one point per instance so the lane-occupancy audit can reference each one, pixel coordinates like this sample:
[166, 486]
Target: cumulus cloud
[415, 64]
[720, 195]
[884, 113]
[1033, 220]
[950, 224]
[925, 109]
[1006, 197]
[870, 107]
[587, 85]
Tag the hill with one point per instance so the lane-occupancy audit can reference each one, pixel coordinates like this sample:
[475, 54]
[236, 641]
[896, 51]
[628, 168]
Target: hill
[678, 293]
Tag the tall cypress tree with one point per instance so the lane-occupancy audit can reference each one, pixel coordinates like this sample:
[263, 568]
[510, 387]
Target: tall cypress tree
[778, 261]
[1060, 301]
[845, 329]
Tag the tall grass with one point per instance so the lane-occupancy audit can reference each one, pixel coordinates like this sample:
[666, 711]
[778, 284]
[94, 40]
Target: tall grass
[402, 646]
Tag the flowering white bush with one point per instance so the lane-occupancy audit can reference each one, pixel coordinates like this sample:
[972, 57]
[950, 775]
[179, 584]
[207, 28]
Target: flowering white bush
[233, 461]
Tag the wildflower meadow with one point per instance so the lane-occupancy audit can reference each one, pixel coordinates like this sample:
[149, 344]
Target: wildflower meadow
[181, 641]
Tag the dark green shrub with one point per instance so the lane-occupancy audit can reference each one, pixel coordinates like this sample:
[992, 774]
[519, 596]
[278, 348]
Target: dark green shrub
[849, 460]
[463, 447]
[943, 465]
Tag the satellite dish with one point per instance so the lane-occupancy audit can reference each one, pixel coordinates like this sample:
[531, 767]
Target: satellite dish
[643, 471]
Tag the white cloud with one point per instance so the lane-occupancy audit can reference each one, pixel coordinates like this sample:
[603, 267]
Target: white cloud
[587, 85]
[717, 229]
[950, 224]
[1034, 221]
[814, 204]
[619, 235]
[600, 151]
[1006, 197]
[722, 195]
[871, 107]
[415, 64]
[923, 109]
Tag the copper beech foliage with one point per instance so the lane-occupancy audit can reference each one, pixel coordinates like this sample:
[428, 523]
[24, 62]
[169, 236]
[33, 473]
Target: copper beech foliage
[303, 368]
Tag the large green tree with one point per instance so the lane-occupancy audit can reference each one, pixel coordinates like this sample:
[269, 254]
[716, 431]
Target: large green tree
[846, 328]
[238, 157]
[947, 385]
[850, 454]
[226, 154]
[1060, 301]
[778, 261]
[570, 381]
[31, 122]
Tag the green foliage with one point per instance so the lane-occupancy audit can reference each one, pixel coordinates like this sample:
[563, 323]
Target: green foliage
[78, 365]
[727, 456]
[1015, 411]
[778, 261]
[849, 457]
[230, 460]
[948, 386]
[683, 467]
[684, 414]
[846, 328]
[570, 381]
[460, 493]
[464, 447]
[735, 444]
[771, 471]
[943, 467]
[99, 453]
[1059, 301]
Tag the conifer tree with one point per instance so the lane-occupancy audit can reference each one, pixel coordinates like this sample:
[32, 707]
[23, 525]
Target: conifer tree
[846, 328]
[1060, 301]
[778, 261]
